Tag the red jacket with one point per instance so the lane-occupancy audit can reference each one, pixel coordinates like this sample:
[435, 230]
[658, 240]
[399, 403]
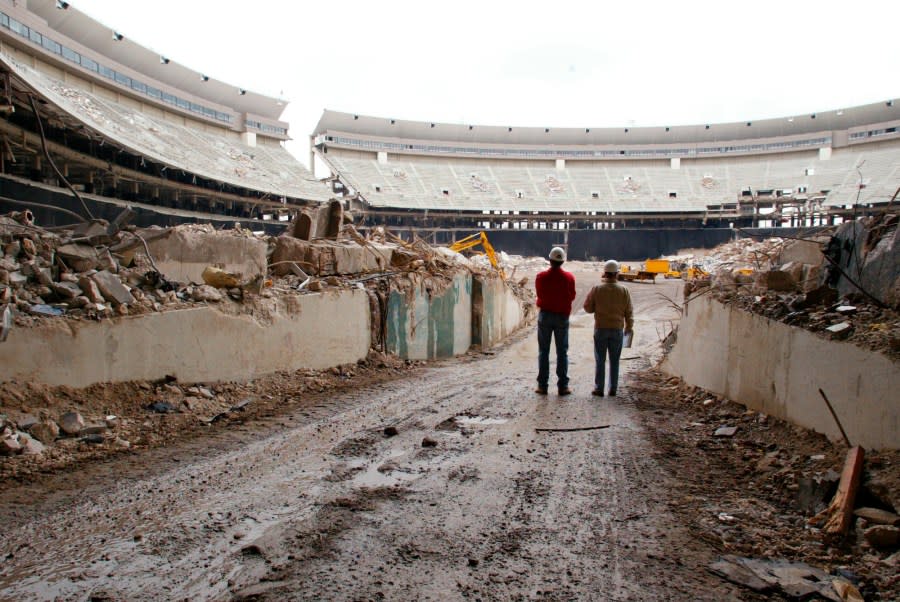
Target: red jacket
[555, 290]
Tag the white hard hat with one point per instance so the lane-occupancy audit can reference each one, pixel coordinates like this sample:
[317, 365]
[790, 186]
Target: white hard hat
[611, 267]
[557, 254]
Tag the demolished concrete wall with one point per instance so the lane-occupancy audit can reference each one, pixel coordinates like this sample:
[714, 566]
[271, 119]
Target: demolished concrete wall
[496, 311]
[778, 369]
[430, 317]
[200, 344]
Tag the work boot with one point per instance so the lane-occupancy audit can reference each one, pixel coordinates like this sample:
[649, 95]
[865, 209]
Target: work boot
[565, 391]
[597, 392]
[541, 390]
[612, 392]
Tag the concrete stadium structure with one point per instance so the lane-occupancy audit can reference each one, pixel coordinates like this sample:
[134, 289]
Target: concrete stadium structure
[83, 107]
[435, 178]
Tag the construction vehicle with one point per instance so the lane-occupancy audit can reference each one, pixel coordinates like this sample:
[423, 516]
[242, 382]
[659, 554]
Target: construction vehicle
[669, 269]
[472, 241]
[628, 274]
[695, 272]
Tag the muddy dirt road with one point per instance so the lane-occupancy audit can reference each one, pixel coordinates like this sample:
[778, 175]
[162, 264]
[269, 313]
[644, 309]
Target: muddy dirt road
[466, 501]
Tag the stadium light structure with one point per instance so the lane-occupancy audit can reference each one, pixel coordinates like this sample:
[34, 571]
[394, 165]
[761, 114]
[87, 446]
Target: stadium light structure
[117, 37]
[62, 5]
[163, 60]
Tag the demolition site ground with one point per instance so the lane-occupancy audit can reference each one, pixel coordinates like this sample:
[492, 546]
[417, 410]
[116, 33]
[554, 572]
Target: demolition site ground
[415, 481]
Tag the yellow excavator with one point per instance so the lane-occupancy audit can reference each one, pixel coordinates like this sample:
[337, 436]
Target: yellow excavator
[473, 240]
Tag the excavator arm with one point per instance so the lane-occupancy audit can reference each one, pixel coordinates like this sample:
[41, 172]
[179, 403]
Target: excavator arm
[474, 240]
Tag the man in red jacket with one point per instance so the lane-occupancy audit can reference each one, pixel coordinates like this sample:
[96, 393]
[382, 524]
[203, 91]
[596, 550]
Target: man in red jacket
[555, 293]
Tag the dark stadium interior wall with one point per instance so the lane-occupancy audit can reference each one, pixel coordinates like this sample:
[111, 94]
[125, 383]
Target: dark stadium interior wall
[624, 244]
[108, 211]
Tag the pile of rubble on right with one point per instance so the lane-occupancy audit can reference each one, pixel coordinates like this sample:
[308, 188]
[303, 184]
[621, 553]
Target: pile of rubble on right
[842, 282]
[790, 514]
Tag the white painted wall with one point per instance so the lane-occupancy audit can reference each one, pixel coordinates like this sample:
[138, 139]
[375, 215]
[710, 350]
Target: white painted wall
[197, 345]
[778, 369]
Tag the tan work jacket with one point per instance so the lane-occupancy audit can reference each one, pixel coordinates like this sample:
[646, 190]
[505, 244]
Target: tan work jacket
[611, 305]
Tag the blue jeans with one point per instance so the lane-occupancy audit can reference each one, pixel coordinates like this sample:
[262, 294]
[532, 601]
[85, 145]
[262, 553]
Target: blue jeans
[607, 340]
[557, 326]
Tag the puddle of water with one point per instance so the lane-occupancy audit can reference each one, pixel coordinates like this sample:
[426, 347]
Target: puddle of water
[479, 420]
[372, 478]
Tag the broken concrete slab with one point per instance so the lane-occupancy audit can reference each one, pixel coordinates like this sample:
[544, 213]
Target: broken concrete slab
[776, 280]
[183, 254]
[325, 258]
[66, 290]
[78, 257]
[802, 251]
[112, 288]
[878, 516]
[725, 431]
[796, 580]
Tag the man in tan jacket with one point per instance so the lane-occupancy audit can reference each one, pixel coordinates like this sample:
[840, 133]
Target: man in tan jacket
[610, 303]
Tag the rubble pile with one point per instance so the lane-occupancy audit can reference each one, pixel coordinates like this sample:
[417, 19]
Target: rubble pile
[756, 482]
[45, 428]
[99, 270]
[805, 283]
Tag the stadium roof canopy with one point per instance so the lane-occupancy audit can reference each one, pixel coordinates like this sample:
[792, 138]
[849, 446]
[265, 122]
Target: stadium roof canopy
[836, 119]
[100, 38]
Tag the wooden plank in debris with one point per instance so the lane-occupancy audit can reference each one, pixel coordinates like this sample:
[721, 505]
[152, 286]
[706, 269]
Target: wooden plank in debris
[840, 511]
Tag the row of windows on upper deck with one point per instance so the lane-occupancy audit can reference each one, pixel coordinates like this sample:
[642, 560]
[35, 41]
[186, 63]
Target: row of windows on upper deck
[120, 78]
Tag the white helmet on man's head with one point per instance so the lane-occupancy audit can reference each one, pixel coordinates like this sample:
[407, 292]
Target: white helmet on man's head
[611, 267]
[557, 254]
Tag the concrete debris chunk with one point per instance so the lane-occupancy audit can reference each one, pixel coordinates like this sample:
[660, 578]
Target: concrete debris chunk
[94, 231]
[112, 288]
[161, 407]
[45, 431]
[725, 431]
[10, 446]
[94, 429]
[78, 257]
[841, 330]
[30, 445]
[206, 292]
[776, 280]
[795, 580]
[883, 536]
[878, 516]
[42, 309]
[71, 423]
[66, 290]
[90, 289]
[220, 278]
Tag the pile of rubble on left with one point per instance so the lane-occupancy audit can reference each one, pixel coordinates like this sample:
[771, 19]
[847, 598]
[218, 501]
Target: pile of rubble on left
[103, 271]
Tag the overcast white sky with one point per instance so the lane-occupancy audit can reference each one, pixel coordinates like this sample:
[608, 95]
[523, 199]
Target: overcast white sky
[547, 63]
